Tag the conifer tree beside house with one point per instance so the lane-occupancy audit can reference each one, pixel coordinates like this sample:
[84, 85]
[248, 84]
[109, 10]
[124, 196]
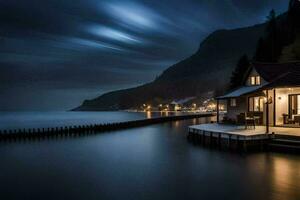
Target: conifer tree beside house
[280, 43]
[281, 33]
[238, 74]
[269, 46]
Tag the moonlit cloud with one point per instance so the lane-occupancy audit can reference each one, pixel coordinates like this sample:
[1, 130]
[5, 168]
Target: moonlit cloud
[133, 14]
[113, 34]
[93, 44]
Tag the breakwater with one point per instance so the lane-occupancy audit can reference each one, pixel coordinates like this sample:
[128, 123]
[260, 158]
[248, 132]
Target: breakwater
[89, 129]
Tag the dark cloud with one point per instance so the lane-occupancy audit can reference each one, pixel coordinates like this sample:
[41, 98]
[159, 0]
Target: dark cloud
[55, 53]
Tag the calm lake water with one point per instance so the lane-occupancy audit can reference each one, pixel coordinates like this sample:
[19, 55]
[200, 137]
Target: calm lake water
[19, 120]
[154, 162]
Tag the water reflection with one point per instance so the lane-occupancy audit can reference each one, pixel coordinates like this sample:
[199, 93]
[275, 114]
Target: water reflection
[285, 174]
[153, 162]
[148, 114]
[20, 120]
[165, 113]
[275, 176]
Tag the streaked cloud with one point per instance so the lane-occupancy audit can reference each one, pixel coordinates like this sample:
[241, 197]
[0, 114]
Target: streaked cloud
[133, 15]
[93, 44]
[113, 34]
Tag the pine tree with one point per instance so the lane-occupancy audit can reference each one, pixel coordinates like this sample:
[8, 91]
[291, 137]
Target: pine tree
[269, 47]
[259, 53]
[291, 23]
[239, 73]
[294, 15]
[279, 34]
[272, 36]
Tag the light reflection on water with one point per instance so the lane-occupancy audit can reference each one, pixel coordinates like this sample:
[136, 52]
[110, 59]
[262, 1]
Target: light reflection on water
[148, 114]
[153, 162]
[286, 177]
[278, 174]
[20, 120]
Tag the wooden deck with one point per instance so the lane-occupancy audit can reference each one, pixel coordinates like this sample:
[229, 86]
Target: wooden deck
[287, 131]
[237, 137]
[233, 131]
[240, 130]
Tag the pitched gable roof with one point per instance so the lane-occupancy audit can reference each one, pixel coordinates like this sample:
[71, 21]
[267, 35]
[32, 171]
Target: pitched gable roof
[276, 75]
[279, 74]
[272, 71]
[290, 79]
[241, 91]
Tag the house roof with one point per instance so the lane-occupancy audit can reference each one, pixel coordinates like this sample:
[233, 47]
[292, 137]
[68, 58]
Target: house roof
[290, 79]
[241, 91]
[275, 74]
[280, 75]
[272, 71]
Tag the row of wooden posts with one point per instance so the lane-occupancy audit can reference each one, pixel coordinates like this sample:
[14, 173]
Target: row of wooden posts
[206, 138]
[89, 129]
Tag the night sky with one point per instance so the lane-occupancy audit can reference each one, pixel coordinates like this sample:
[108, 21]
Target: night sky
[55, 53]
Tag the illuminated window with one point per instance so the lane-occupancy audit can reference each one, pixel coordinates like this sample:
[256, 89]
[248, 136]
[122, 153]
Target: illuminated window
[294, 104]
[252, 80]
[232, 102]
[255, 80]
[255, 104]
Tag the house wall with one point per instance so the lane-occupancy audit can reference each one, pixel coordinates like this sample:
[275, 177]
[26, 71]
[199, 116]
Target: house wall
[242, 102]
[270, 92]
[242, 107]
[281, 104]
[254, 73]
[282, 95]
[277, 108]
[271, 109]
[233, 111]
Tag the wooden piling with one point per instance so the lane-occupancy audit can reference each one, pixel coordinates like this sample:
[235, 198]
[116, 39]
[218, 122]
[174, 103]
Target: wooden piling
[94, 128]
[219, 139]
[245, 146]
[203, 137]
[210, 138]
[229, 140]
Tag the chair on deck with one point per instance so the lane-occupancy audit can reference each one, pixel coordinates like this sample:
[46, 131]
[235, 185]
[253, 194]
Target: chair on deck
[287, 119]
[249, 120]
[297, 119]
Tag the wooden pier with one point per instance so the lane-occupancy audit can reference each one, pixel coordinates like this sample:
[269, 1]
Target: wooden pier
[11, 135]
[229, 137]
